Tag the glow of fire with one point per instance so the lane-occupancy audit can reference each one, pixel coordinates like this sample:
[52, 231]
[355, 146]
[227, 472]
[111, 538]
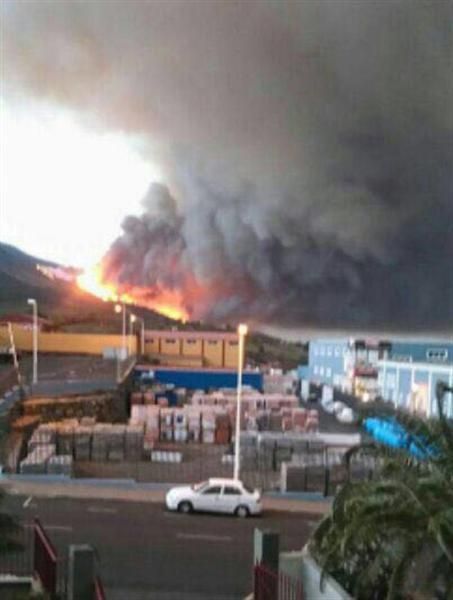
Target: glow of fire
[165, 302]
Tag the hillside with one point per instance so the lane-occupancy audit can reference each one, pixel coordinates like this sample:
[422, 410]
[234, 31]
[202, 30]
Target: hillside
[71, 309]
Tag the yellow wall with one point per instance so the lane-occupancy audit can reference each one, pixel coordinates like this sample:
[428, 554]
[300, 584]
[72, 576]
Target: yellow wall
[69, 343]
[192, 347]
[231, 354]
[152, 346]
[213, 353]
[169, 345]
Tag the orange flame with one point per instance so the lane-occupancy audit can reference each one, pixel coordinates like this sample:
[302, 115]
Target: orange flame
[166, 302]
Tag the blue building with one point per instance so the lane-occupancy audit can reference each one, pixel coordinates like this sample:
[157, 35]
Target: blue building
[423, 351]
[411, 384]
[348, 364]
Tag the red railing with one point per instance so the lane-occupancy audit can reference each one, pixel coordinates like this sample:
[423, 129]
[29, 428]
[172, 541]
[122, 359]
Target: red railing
[45, 559]
[99, 593]
[270, 585]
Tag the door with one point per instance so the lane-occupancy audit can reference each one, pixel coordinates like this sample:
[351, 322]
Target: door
[210, 499]
[231, 498]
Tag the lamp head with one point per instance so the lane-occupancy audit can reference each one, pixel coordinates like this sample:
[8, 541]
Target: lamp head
[31, 301]
[133, 318]
[118, 308]
[242, 329]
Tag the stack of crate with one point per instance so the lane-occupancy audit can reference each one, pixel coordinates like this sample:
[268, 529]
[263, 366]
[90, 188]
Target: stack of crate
[60, 465]
[82, 442]
[134, 442]
[193, 423]
[116, 440]
[166, 424]
[312, 423]
[100, 442]
[151, 421]
[180, 425]
[65, 438]
[149, 397]
[299, 419]
[42, 436]
[136, 398]
[36, 462]
[222, 428]
[208, 425]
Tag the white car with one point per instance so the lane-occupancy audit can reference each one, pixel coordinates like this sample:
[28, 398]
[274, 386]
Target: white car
[215, 495]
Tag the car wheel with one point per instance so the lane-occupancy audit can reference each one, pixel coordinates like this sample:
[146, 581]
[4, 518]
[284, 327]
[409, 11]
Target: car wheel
[185, 507]
[242, 511]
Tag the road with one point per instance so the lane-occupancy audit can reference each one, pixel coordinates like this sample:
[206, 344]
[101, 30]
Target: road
[148, 553]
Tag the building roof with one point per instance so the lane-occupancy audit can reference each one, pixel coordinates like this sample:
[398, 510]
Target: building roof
[193, 335]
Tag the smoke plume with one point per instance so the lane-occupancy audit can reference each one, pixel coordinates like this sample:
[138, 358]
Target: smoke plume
[307, 148]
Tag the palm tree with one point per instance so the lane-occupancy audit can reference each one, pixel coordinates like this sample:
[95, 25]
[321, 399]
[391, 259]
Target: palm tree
[392, 537]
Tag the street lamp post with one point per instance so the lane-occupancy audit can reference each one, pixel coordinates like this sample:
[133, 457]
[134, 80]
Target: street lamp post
[242, 332]
[122, 308]
[34, 304]
[142, 334]
[132, 319]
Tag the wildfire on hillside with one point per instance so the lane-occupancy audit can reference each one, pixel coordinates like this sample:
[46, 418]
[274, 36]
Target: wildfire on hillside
[166, 302]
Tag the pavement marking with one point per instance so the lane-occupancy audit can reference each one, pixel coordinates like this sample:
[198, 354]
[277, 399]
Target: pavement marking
[27, 501]
[99, 509]
[204, 537]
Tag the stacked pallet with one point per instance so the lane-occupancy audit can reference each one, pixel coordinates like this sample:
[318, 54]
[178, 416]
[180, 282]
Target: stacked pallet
[193, 423]
[65, 438]
[134, 439]
[222, 428]
[36, 461]
[82, 442]
[166, 424]
[60, 465]
[208, 420]
[41, 437]
[180, 426]
[115, 442]
[100, 442]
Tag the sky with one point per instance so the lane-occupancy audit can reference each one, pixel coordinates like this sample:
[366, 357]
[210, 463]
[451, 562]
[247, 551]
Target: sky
[285, 162]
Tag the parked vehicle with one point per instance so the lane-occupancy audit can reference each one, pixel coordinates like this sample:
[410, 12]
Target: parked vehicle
[215, 495]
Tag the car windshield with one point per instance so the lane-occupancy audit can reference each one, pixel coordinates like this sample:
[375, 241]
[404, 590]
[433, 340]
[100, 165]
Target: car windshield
[247, 489]
[197, 487]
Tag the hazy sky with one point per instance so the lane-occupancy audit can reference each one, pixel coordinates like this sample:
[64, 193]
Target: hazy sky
[304, 151]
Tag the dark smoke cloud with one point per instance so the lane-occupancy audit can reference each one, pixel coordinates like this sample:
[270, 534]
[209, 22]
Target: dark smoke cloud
[308, 148]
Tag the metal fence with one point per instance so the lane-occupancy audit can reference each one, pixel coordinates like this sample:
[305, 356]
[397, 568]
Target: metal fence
[44, 560]
[272, 585]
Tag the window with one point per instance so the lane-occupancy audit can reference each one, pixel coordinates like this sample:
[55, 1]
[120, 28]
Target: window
[213, 490]
[197, 487]
[233, 343]
[231, 491]
[191, 341]
[328, 372]
[321, 351]
[170, 341]
[212, 342]
[337, 351]
[321, 371]
[440, 354]
[315, 369]
[315, 351]
[329, 351]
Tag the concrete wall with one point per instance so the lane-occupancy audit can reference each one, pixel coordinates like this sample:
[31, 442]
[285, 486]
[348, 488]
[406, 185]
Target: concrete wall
[300, 566]
[66, 343]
